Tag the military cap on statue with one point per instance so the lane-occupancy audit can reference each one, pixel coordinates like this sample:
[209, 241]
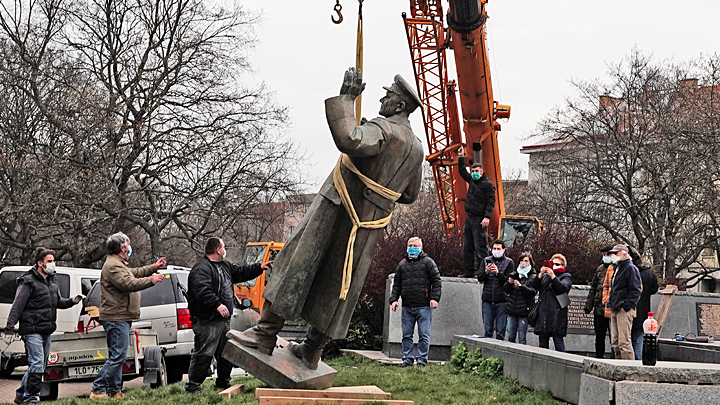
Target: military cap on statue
[405, 91]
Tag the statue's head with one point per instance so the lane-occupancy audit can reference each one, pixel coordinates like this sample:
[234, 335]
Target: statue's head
[399, 98]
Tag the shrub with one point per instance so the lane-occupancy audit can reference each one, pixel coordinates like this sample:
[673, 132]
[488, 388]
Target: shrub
[474, 363]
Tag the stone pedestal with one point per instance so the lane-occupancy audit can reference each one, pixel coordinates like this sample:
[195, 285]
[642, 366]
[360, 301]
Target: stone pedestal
[280, 370]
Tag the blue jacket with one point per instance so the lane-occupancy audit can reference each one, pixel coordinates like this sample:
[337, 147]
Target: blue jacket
[626, 286]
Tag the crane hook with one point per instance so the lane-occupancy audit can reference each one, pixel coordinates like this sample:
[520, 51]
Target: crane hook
[338, 10]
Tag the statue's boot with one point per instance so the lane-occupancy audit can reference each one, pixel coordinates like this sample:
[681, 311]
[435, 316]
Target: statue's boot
[311, 349]
[262, 336]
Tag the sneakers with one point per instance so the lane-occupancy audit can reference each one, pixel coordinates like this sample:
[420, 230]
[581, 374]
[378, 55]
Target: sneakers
[118, 396]
[98, 396]
[406, 365]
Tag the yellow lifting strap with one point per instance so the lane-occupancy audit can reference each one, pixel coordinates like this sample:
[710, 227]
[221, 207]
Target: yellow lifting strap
[347, 203]
[359, 59]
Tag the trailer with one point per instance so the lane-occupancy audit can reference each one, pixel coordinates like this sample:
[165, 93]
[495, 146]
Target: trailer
[79, 356]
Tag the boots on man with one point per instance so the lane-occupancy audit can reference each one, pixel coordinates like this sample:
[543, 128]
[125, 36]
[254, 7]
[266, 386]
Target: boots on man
[262, 336]
[311, 349]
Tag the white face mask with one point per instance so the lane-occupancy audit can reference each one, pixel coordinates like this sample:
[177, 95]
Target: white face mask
[614, 258]
[498, 253]
[49, 268]
[524, 265]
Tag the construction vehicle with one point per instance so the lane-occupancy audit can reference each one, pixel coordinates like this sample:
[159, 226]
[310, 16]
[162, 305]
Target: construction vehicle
[429, 39]
[257, 252]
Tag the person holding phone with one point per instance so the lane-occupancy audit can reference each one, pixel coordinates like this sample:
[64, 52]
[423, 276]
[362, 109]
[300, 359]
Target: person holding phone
[554, 284]
[497, 267]
[520, 297]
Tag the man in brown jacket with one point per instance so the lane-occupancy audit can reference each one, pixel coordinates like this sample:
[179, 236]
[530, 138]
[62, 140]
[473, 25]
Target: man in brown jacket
[119, 306]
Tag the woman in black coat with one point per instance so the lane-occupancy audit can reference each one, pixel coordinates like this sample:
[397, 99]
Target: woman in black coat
[554, 285]
[520, 297]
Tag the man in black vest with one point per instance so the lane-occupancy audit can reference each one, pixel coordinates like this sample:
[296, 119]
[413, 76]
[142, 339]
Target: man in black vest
[37, 300]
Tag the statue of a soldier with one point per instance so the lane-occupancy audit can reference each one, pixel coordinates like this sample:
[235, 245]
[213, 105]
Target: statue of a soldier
[320, 272]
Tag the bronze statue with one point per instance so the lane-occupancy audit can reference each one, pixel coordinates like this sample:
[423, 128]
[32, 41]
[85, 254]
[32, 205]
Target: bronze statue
[320, 272]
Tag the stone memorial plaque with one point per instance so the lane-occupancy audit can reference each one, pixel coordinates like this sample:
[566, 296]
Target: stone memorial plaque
[578, 320]
[708, 319]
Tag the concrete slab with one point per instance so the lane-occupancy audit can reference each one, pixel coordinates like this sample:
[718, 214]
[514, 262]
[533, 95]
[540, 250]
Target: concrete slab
[596, 391]
[662, 372]
[645, 393]
[280, 370]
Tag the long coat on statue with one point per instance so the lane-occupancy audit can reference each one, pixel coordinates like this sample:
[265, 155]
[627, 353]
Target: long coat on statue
[307, 275]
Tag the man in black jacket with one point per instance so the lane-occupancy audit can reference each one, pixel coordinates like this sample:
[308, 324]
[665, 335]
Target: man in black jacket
[624, 296]
[417, 282]
[210, 301]
[593, 303]
[494, 300]
[37, 300]
[479, 206]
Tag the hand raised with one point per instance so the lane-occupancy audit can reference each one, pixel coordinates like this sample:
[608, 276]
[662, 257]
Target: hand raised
[352, 82]
[157, 278]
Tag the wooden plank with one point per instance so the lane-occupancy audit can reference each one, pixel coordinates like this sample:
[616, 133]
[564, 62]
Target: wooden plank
[668, 294]
[337, 392]
[234, 390]
[335, 401]
[358, 388]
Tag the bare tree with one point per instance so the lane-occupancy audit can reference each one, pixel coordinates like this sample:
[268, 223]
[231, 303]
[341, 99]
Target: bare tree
[635, 159]
[148, 125]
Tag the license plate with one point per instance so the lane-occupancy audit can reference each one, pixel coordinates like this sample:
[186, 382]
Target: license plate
[83, 371]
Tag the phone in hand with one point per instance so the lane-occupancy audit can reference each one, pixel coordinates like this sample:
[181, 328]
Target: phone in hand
[548, 264]
[487, 261]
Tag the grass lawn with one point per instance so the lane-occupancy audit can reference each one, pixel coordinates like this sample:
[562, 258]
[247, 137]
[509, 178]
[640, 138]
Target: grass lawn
[432, 385]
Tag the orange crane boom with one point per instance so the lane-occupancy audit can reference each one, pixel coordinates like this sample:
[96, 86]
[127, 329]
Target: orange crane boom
[429, 39]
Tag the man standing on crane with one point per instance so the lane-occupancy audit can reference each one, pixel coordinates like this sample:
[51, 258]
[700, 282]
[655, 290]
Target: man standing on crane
[479, 205]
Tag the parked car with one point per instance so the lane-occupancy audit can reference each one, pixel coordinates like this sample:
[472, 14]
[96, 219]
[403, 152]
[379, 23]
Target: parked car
[72, 281]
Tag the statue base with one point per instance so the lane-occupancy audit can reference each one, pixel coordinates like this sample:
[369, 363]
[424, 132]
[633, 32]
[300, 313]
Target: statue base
[281, 369]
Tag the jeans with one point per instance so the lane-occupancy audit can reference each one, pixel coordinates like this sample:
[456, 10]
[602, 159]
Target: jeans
[37, 347]
[210, 342]
[423, 317]
[519, 326]
[602, 328]
[636, 336]
[494, 319]
[474, 244]
[558, 341]
[109, 378]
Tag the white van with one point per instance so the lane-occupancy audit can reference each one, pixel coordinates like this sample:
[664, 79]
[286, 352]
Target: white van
[72, 281]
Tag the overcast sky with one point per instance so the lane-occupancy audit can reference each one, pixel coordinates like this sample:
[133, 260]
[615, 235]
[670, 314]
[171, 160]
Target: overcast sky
[536, 47]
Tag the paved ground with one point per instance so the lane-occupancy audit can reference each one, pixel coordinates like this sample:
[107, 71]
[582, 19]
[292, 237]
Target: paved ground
[8, 385]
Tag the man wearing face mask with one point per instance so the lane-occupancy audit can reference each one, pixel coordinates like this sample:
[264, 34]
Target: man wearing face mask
[479, 206]
[120, 288]
[210, 301]
[417, 282]
[494, 300]
[624, 296]
[594, 303]
[37, 300]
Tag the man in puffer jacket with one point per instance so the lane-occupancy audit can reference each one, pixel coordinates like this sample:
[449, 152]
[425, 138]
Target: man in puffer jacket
[417, 282]
[624, 296]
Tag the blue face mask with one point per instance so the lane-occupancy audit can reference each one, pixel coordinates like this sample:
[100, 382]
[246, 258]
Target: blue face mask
[607, 259]
[129, 251]
[475, 175]
[413, 252]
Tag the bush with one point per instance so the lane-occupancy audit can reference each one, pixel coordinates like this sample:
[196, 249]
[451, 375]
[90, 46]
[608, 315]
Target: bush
[474, 363]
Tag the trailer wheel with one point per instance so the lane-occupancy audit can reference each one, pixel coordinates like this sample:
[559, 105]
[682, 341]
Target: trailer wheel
[162, 379]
